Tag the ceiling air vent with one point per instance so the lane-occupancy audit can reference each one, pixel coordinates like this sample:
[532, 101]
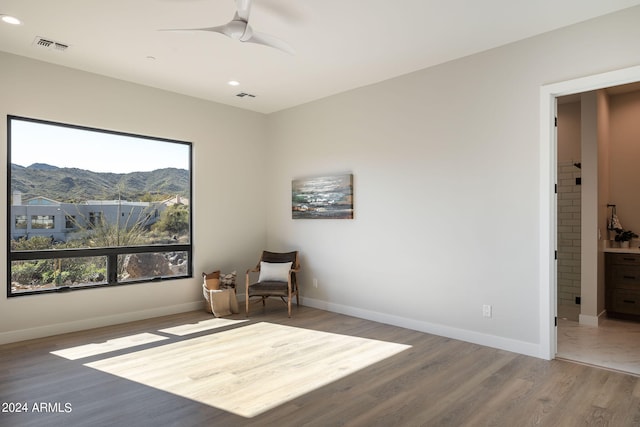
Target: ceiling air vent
[49, 44]
[243, 94]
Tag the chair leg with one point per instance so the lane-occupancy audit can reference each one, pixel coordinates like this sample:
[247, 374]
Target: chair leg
[264, 301]
[289, 305]
[246, 310]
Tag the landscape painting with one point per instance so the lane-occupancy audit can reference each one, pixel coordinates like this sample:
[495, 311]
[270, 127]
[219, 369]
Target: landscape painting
[328, 197]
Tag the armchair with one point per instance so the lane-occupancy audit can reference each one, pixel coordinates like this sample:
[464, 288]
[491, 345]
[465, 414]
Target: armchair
[277, 278]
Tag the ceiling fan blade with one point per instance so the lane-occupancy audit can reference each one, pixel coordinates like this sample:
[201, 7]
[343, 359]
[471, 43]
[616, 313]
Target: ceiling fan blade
[239, 29]
[267, 40]
[219, 29]
[243, 9]
[227, 30]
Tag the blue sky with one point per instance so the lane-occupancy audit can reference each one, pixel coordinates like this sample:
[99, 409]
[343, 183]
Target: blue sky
[63, 146]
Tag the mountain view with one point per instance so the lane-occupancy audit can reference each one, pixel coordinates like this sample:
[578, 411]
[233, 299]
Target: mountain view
[72, 185]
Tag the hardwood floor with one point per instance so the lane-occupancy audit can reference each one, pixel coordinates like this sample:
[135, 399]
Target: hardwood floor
[436, 382]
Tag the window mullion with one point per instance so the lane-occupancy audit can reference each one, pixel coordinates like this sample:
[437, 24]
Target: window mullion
[112, 268]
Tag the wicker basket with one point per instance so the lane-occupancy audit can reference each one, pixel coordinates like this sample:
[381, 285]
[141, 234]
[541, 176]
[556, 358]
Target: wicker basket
[216, 281]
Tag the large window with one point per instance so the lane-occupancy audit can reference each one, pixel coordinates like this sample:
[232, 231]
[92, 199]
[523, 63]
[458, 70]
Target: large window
[89, 208]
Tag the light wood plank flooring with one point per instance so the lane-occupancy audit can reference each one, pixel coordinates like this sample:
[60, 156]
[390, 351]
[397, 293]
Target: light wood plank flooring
[437, 382]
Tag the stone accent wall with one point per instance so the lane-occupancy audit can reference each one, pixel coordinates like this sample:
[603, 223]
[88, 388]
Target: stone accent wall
[569, 235]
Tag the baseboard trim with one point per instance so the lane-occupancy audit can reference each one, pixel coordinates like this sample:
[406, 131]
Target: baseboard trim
[516, 346]
[95, 322]
[502, 343]
[584, 319]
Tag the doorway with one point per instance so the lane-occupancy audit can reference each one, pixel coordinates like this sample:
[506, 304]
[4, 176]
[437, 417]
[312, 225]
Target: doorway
[589, 336]
[559, 338]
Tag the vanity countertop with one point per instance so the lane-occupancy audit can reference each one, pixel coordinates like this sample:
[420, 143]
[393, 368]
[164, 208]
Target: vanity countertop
[634, 250]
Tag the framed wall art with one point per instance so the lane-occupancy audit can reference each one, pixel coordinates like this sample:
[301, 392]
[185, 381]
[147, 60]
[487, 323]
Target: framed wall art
[326, 197]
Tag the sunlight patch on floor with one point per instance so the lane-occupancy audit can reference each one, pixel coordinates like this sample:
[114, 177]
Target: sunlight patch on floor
[250, 369]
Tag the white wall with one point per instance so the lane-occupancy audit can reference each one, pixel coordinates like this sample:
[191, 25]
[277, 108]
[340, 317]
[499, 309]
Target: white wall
[589, 224]
[569, 132]
[447, 170]
[625, 158]
[228, 171]
[603, 188]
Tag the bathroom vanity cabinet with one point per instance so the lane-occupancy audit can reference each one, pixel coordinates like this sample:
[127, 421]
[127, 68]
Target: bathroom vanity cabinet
[622, 284]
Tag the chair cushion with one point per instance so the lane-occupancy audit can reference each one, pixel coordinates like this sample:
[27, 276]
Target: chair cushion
[269, 288]
[278, 271]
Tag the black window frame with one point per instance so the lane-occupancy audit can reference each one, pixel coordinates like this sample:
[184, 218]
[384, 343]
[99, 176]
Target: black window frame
[111, 253]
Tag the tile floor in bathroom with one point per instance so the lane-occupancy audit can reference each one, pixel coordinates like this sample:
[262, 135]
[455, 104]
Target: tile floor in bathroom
[615, 344]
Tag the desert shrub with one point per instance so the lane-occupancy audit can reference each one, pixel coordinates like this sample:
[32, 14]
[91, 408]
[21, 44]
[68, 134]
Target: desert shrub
[174, 220]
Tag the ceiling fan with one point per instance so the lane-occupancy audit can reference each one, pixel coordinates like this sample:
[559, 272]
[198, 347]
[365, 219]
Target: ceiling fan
[239, 29]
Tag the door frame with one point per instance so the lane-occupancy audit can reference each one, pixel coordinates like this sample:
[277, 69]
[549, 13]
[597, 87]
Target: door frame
[548, 197]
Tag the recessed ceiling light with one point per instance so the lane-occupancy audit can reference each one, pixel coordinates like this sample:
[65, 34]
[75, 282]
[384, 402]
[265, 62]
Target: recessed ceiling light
[233, 83]
[10, 20]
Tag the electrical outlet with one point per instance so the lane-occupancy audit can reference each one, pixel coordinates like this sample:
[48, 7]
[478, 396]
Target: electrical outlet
[486, 310]
[315, 282]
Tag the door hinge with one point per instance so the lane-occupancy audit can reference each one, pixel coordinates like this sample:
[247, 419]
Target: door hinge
[555, 255]
[555, 188]
[555, 122]
[556, 321]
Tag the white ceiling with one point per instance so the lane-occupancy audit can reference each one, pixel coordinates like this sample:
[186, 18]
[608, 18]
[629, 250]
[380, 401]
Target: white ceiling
[340, 44]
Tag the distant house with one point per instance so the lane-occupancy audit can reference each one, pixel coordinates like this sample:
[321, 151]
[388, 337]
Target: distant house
[176, 200]
[41, 216]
